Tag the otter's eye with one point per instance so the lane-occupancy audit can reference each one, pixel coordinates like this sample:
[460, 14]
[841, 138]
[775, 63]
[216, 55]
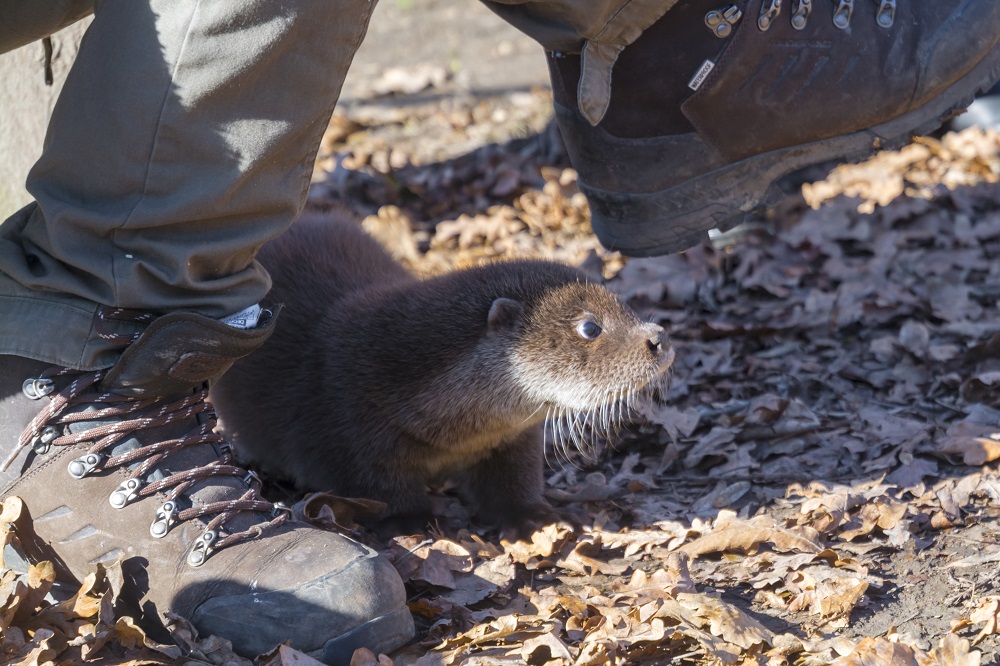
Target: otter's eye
[588, 330]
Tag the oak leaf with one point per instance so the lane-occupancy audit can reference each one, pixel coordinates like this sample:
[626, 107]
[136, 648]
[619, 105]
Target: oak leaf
[747, 535]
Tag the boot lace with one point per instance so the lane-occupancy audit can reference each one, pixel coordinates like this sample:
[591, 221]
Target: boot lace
[130, 415]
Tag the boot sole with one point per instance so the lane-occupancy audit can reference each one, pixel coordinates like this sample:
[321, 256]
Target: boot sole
[679, 217]
[382, 635]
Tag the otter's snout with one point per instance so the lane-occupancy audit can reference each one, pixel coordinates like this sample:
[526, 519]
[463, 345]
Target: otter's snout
[655, 338]
[659, 346]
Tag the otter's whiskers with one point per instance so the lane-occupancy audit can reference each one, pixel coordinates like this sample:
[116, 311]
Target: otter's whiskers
[612, 408]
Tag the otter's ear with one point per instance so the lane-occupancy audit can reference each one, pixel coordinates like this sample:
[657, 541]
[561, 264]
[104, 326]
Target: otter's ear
[504, 313]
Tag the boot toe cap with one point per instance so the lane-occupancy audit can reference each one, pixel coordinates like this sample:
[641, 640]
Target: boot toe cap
[327, 596]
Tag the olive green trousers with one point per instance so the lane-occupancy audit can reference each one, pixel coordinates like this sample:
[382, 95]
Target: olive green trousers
[183, 140]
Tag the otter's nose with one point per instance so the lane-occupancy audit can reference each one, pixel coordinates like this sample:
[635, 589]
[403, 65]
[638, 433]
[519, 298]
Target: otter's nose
[654, 338]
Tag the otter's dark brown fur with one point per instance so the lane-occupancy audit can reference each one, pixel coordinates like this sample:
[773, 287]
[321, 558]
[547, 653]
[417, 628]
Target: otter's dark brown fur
[375, 382]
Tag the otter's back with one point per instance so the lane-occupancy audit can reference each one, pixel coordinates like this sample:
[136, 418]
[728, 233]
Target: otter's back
[322, 259]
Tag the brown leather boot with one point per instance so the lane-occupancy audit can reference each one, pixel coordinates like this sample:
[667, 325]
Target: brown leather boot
[124, 463]
[718, 99]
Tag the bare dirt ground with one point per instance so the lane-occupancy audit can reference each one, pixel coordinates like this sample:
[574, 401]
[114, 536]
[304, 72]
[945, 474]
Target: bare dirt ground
[818, 484]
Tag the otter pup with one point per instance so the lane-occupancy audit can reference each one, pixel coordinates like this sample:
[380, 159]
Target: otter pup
[376, 382]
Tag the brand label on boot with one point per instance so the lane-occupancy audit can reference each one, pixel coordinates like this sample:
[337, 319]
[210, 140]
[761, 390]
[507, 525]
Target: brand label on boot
[702, 74]
[245, 318]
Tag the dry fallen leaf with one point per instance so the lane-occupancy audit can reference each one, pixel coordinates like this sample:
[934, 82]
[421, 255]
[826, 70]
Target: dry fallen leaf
[434, 562]
[726, 621]
[951, 651]
[986, 611]
[881, 513]
[878, 652]
[583, 558]
[335, 513]
[549, 645]
[828, 593]
[361, 657]
[486, 579]
[972, 450]
[747, 535]
[544, 544]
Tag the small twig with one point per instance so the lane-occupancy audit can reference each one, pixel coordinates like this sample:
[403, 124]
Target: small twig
[683, 480]
[761, 480]
[410, 552]
[969, 539]
[47, 46]
[912, 616]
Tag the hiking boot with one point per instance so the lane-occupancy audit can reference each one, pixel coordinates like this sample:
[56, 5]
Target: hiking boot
[716, 100]
[125, 464]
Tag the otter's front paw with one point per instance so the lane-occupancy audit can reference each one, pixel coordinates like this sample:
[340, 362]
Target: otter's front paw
[523, 521]
[402, 524]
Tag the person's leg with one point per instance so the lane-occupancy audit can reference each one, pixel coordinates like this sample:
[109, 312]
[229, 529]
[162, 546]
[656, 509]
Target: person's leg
[680, 115]
[183, 139]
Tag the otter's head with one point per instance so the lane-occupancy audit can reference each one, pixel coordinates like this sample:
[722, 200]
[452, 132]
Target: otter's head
[582, 353]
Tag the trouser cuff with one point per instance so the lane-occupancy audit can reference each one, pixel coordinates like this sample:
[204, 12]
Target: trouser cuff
[53, 328]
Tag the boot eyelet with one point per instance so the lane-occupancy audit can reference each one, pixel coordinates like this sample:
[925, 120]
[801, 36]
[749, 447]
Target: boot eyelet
[251, 477]
[84, 465]
[166, 517]
[800, 13]
[42, 442]
[37, 388]
[886, 14]
[202, 548]
[126, 491]
[769, 10]
[722, 21]
[842, 14]
[281, 508]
